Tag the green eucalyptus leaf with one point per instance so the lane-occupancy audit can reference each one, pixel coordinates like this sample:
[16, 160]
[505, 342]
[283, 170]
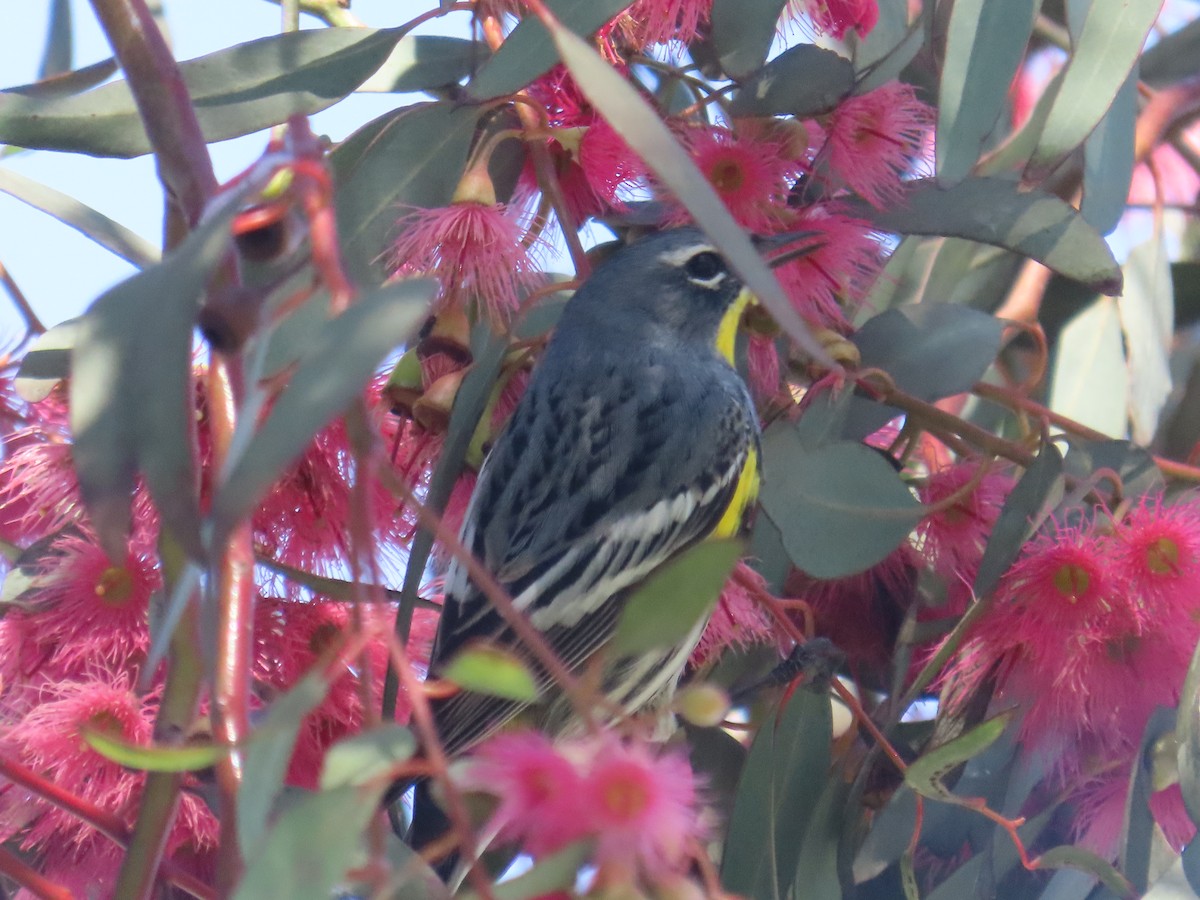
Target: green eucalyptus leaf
[1139, 827]
[924, 775]
[528, 52]
[1109, 42]
[718, 759]
[1090, 382]
[555, 874]
[1038, 492]
[991, 866]
[743, 31]
[187, 758]
[56, 58]
[891, 66]
[131, 401]
[889, 837]
[1087, 861]
[1108, 160]
[985, 43]
[1181, 881]
[485, 669]
[1015, 150]
[645, 132]
[1173, 58]
[816, 873]
[412, 157]
[885, 45]
[47, 362]
[267, 756]
[1147, 311]
[994, 211]
[931, 350]
[366, 757]
[307, 853]
[802, 81]
[426, 63]
[236, 91]
[840, 508]
[329, 376]
[1134, 465]
[1187, 734]
[675, 598]
[108, 233]
[67, 83]
[785, 774]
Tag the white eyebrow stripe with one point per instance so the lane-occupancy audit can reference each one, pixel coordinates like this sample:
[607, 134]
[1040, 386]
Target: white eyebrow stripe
[683, 254]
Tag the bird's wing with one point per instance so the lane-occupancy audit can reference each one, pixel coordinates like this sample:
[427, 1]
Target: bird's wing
[580, 499]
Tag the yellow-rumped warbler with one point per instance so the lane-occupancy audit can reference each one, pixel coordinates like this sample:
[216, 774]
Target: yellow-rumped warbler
[634, 440]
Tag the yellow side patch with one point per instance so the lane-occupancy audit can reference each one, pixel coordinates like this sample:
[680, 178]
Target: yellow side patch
[727, 330]
[744, 496]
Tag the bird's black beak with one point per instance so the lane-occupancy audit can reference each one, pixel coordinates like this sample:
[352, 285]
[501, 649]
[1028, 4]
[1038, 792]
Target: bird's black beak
[784, 248]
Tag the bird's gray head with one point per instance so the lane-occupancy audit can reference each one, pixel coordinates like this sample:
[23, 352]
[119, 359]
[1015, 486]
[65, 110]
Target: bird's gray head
[675, 279]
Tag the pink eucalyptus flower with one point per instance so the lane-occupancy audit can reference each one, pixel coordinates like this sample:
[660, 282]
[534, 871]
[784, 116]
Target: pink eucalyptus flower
[873, 139]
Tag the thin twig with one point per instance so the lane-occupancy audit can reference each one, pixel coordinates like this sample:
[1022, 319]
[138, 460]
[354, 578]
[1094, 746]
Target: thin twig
[32, 322]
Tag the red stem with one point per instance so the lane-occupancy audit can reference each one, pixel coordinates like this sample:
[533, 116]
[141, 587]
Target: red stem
[91, 814]
[30, 879]
[235, 597]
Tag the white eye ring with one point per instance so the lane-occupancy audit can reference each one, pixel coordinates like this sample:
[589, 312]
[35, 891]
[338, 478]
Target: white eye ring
[710, 283]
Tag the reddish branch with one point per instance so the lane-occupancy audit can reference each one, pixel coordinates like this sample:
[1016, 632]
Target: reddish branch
[165, 109]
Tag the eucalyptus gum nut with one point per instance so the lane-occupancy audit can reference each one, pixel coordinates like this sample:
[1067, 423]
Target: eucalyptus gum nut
[404, 385]
[449, 334]
[432, 409]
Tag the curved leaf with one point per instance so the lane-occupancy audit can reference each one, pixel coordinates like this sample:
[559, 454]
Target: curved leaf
[109, 234]
[1087, 861]
[130, 399]
[425, 63]
[68, 82]
[931, 350]
[485, 669]
[310, 848]
[802, 81]
[1108, 160]
[188, 758]
[267, 756]
[412, 157]
[1174, 58]
[528, 52]
[993, 211]
[1029, 502]
[1091, 381]
[329, 376]
[555, 874]
[924, 774]
[47, 362]
[985, 43]
[675, 597]
[1147, 312]
[367, 756]
[56, 59]
[840, 508]
[785, 773]
[236, 91]
[742, 32]
[1109, 42]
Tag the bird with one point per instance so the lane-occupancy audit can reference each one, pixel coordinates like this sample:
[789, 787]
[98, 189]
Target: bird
[635, 439]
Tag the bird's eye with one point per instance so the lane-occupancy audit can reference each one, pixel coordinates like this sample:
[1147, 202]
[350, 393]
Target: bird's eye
[704, 266]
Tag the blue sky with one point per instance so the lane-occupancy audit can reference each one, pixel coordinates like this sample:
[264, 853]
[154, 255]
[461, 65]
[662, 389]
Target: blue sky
[60, 271]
